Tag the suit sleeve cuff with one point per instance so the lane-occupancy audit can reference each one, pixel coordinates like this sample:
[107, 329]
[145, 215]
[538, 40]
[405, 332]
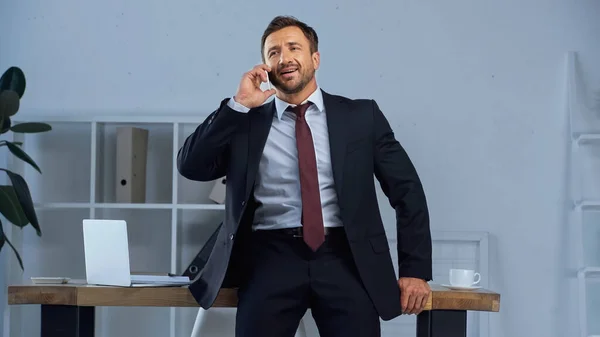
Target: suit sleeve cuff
[424, 273]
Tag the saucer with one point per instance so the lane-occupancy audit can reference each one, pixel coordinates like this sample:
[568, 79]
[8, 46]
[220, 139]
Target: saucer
[461, 288]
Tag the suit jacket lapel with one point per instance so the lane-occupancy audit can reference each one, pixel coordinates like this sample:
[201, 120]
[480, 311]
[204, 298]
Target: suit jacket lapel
[259, 126]
[336, 111]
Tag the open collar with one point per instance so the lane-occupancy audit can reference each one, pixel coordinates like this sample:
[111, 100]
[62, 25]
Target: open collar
[315, 98]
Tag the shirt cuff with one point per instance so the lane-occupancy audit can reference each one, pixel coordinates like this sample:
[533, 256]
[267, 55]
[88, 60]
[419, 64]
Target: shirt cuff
[237, 106]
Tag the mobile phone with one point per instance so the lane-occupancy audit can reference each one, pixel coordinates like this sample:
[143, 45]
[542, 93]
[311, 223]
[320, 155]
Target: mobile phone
[268, 80]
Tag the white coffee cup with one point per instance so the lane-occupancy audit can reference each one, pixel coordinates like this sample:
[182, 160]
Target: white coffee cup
[464, 277]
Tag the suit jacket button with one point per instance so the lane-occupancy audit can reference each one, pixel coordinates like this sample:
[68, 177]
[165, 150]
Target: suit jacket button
[243, 203]
[231, 236]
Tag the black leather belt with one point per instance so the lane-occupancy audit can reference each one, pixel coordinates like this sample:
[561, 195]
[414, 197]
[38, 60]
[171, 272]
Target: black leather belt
[297, 231]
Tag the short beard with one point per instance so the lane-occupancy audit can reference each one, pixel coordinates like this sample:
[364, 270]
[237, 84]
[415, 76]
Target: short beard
[304, 80]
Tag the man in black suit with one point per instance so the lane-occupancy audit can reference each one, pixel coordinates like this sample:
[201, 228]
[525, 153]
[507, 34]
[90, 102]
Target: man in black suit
[302, 226]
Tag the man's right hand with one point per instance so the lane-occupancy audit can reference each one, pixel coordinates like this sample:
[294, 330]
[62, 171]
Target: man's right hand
[249, 93]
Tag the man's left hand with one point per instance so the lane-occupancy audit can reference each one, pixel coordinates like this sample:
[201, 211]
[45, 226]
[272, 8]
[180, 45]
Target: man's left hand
[414, 294]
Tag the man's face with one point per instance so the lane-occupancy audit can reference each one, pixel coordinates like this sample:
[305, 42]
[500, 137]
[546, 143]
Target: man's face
[287, 52]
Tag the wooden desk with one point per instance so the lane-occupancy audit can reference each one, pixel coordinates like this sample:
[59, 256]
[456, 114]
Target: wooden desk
[68, 310]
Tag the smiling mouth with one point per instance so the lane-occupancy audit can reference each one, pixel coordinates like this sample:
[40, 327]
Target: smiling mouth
[287, 72]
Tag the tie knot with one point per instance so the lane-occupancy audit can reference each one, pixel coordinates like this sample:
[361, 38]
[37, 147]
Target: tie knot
[299, 110]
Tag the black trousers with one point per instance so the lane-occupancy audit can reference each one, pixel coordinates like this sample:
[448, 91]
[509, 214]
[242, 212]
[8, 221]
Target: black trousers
[284, 278]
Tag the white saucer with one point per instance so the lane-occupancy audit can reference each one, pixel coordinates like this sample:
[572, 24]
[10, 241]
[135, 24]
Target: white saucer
[461, 288]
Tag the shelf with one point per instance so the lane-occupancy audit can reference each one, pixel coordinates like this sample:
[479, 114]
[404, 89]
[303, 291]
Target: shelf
[150, 236]
[62, 205]
[63, 156]
[59, 251]
[149, 233]
[67, 154]
[589, 272]
[214, 207]
[587, 205]
[590, 291]
[590, 236]
[75, 205]
[584, 123]
[582, 103]
[586, 168]
[79, 181]
[159, 168]
[587, 138]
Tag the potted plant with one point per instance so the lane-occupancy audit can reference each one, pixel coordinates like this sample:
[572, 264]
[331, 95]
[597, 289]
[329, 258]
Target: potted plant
[16, 204]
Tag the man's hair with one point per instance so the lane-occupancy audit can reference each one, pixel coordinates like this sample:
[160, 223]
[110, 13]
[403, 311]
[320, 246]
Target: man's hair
[280, 22]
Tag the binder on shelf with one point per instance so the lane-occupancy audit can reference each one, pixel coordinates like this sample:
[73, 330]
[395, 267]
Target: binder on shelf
[131, 158]
[217, 194]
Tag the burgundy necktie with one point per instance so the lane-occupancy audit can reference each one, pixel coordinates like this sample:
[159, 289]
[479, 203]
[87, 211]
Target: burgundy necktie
[312, 214]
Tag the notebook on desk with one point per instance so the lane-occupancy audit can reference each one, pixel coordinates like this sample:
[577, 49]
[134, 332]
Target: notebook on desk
[106, 249]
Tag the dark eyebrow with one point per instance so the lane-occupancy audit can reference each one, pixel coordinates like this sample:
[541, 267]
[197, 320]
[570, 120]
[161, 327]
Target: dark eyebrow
[289, 44]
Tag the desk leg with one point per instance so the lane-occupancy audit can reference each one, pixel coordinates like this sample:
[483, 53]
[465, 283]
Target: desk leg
[442, 323]
[67, 321]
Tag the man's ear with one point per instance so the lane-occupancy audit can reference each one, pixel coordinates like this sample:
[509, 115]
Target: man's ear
[316, 59]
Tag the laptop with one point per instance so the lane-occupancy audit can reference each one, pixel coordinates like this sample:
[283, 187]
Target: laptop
[106, 249]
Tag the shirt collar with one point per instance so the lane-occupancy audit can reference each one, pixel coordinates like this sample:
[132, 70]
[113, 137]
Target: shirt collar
[316, 98]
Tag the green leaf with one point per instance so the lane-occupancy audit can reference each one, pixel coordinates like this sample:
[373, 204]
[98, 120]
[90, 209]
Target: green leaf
[30, 127]
[3, 143]
[3, 239]
[10, 207]
[5, 124]
[16, 253]
[2, 236]
[13, 79]
[24, 196]
[9, 103]
[17, 151]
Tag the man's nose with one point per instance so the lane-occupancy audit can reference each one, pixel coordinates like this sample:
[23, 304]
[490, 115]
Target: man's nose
[284, 57]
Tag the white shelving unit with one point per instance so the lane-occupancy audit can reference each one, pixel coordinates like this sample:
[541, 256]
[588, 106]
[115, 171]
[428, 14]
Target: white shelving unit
[77, 160]
[584, 120]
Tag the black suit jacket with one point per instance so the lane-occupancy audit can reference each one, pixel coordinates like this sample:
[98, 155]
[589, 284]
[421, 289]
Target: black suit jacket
[229, 143]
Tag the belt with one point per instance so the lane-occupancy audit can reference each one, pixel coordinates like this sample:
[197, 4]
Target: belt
[297, 231]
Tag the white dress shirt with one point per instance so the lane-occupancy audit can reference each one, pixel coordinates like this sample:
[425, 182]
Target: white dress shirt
[277, 185]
